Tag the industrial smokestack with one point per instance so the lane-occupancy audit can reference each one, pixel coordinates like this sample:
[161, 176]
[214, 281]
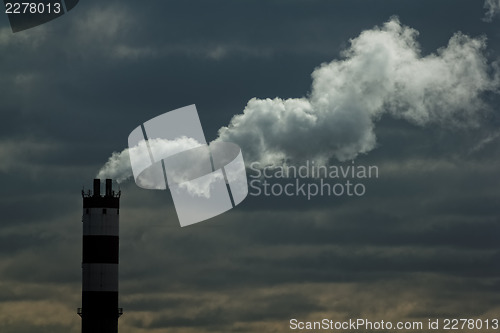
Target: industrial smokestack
[108, 187]
[100, 311]
[97, 187]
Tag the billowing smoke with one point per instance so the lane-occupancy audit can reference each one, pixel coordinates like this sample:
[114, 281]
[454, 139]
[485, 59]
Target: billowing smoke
[119, 168]
[492, 9]
[382, 72]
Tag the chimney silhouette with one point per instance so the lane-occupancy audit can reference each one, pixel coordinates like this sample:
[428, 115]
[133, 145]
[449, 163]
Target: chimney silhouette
[100, 311]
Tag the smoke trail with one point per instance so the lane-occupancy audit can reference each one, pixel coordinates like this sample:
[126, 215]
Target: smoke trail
[493, 9]
[382, 72]
[118, 166]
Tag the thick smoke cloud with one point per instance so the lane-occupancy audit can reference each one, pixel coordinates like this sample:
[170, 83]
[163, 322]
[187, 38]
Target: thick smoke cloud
[493, 9]
[381, 73]
[117, 167]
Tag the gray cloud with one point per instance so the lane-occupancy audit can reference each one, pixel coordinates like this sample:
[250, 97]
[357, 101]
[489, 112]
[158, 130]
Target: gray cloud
[492, 9]
[422, 242]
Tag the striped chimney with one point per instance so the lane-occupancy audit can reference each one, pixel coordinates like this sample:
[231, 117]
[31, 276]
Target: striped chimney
[100, 311]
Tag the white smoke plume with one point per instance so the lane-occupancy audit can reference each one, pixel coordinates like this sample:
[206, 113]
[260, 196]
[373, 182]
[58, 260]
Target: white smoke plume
[119, 168]
[382, 72]
[492, 9]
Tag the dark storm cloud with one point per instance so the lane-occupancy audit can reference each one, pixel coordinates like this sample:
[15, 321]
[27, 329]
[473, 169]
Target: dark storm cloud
[401, 233]
[272, 306]
[422, 242]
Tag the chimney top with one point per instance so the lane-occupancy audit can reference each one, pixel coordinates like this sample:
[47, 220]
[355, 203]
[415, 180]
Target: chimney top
[97, 187]
[109, 187]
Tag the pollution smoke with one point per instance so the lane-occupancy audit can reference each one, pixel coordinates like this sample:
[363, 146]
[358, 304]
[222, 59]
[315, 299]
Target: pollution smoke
[381, 73]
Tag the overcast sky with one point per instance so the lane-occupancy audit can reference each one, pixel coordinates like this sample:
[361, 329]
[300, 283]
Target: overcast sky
[409, 86]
